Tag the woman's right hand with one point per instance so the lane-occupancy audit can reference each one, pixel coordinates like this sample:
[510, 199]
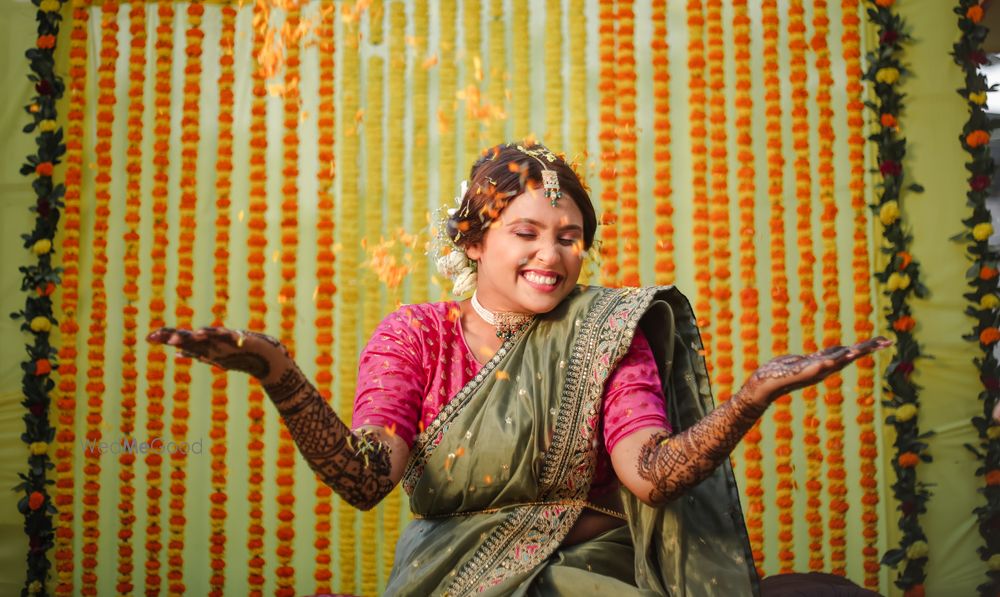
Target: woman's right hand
[259, 355]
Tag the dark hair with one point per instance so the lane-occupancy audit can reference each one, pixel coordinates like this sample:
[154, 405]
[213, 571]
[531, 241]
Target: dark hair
[502, 173]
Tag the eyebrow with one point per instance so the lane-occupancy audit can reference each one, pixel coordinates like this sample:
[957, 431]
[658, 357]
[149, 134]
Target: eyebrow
[567, 227]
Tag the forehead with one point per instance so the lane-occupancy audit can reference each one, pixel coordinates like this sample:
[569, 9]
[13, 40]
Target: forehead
[533, 205]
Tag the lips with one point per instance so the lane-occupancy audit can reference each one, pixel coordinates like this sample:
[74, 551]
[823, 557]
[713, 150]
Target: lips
[544, 281]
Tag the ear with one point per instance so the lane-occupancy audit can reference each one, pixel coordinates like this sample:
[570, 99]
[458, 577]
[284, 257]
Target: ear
[474, 251]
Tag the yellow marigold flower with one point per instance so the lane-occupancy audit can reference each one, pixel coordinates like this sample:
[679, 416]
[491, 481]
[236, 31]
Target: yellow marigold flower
[993, 432]
[47, 126]
[888, 213]
[49, 6]
[38, 448]
[35, 587]
[989, 301]
[41, 246]
[994, 562]
[978, 97]
[887, 75]
[40, 324]
[898, 281]
[906, 412]
[982, 231]
[917, 549]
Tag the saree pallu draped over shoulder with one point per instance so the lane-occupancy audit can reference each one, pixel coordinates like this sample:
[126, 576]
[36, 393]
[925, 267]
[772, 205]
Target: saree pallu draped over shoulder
[499, 478]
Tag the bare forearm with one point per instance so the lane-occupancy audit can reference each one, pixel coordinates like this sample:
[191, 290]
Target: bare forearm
[672, 464]
[356, 465]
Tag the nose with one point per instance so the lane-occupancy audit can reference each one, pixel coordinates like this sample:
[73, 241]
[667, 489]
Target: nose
[547, 253]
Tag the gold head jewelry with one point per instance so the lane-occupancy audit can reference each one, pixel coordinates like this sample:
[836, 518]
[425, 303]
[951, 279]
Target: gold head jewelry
[550, 178]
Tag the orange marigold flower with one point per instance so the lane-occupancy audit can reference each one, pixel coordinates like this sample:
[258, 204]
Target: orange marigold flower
[44, 169]
[989, 336]
[46, 42]
[35, 500]
[977, 138]
[987, 273]
[904, 324]
[908, 460]
[884, 3]
[975, 13]
[43, 367]
[888, 120]
[993, 477]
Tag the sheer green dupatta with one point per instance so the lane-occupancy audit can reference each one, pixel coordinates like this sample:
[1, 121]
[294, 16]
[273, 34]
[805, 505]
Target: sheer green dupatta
[697, 544]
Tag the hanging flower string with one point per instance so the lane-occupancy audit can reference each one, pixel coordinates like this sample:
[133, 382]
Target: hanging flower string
[798, 73]
[257, 303]
[419, 213]
[719, 208]
[520, 75]
[447, 94]
[325, 288]
[608, 143]
[497, 77]
[984, 302]
[68, 326]
[861, 274]
[901, 280]
[749, 299]
[833, 398]
[39, 281]
[349, 261]
[625, 91]
[223, 191]
[472, 80]
[699, 170]
[130, 290]
[156, 356]
[779, 282]
[664, 258]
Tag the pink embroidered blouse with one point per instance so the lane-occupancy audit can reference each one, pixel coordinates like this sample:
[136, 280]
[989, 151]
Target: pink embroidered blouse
[418, 359]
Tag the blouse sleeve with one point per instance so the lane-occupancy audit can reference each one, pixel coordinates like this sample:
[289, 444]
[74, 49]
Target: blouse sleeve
[392, 378]
[633, 396]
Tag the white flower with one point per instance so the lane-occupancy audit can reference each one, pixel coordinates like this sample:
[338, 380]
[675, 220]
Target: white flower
[465, 282]
[452, 264]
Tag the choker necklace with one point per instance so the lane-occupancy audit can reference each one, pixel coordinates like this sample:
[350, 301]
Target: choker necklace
[507, 323]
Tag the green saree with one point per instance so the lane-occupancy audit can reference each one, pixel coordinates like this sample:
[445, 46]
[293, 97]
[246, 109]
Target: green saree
[502, 474]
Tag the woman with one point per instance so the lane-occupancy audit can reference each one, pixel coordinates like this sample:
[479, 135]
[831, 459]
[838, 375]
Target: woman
[552, 438]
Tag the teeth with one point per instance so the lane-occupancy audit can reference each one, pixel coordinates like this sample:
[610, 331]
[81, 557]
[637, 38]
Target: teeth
[540, 279]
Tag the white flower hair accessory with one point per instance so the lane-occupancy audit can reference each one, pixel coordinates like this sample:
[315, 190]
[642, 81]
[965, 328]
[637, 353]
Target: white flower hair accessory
[450, 259]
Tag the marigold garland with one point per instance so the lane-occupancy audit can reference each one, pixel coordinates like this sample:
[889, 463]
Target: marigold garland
[395, 154]
[719, 209]
[863, 326]
[39, 281]
[374, 193]
[130, 290]
[697, 100]
[798, 73]
[449, 172]
[156, 355]
[68, 326]
[901, 279]
[785, 485]
[219, 410]
[608, 143]
[520, 73]
[625, 91]
[749, 298]
[664, 266]
[257, 304]
[183, 311]
[496, 80]
[472, 77]
[833, 398]
[347, 360]
[420, 210]
[98, 315]
[325, 288]
[553, 80]
[285, 481]
[984, 304]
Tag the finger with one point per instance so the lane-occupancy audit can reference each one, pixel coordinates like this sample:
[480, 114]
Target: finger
[160, 335]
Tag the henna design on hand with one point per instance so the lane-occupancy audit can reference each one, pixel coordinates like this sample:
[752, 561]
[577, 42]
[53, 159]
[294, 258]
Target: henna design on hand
[355, 464]
[258, 354]
[674, 464]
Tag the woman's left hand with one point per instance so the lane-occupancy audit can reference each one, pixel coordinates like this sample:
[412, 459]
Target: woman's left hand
[259, 355]
[790, 372]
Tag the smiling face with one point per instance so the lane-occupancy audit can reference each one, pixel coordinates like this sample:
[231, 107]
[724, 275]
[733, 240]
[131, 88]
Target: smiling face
[531, 256]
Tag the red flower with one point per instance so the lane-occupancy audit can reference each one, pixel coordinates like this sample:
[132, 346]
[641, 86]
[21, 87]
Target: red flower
[888, 37]
[906, 367]
[891, 168]
[35, 500]
[43, 367]
[978, 57]
[980, 182]
[991, 383]
[44, 169]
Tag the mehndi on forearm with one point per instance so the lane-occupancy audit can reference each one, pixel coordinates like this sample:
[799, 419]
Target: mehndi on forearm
[355, 465]
[675, 463]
